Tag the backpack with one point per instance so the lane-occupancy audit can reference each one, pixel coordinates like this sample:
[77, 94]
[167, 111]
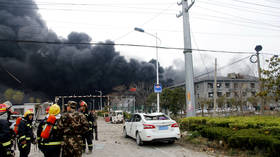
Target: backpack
[17, 124]
[45, 134]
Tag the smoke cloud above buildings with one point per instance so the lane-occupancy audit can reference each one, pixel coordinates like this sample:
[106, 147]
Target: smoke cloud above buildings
[58, 69]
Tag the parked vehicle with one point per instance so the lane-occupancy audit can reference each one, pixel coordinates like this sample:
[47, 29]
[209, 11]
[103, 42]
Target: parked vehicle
[117, 116]
[151, 127]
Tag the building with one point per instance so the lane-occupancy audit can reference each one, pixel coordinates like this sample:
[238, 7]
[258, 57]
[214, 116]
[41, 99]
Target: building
[234, 85]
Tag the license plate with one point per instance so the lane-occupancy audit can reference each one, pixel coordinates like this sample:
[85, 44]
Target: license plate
[163, 127]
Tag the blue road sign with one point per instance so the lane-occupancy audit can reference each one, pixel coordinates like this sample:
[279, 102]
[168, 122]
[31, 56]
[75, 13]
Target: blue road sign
[157, 88]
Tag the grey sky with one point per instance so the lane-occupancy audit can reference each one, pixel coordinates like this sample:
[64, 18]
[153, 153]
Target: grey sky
[231, 25]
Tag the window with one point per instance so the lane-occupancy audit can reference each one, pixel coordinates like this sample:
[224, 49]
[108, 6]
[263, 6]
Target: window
[219, 94]
[156, 117]
[136, 118]
[210, 95]
[235, 94]
[197, 86]
[227, 94]
[227, 85]
[210, 85]
[244, 94]
[235, 85]
[253, 93]
[252, 85]
[219, 85]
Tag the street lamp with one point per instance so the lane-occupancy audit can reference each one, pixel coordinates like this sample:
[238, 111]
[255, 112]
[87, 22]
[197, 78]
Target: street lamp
[100, 98]
[155, 36]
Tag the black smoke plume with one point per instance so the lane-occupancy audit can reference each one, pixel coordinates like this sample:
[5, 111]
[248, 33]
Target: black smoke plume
[57, 69]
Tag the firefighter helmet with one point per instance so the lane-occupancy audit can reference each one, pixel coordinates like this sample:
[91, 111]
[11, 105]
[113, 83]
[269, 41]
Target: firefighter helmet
[28, 112]
[54, 109]
[47, 109]
[83, 103]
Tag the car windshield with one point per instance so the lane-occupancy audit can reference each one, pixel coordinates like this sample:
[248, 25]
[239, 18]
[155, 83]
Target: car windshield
[156, 117]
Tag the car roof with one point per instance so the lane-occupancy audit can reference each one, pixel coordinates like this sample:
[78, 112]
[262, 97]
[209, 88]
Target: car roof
[151, 114]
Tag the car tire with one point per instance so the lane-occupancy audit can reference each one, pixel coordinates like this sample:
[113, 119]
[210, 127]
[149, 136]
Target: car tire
[139, 140]
[125, 133]
[171, 142]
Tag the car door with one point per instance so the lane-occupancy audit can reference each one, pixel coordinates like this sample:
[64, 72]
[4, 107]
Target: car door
[135, 125]
[128, 125]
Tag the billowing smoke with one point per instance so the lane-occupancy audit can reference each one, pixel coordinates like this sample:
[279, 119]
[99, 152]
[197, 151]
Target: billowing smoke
[57, 69]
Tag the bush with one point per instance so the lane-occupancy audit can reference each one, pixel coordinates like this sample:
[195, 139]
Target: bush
[256, 132]
[217, 133]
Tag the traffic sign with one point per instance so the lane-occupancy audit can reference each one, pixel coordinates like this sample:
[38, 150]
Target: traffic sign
[157, 88]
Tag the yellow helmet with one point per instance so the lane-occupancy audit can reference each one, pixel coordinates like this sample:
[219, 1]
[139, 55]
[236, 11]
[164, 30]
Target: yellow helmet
[28, 112]
[54, 109]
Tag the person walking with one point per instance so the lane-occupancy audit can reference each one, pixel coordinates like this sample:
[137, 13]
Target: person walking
[72, 125]
[25, 134]
[49, 139]
[95, 124]
[87, 137]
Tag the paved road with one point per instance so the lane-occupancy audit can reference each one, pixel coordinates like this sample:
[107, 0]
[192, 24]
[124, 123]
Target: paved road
[112, 144]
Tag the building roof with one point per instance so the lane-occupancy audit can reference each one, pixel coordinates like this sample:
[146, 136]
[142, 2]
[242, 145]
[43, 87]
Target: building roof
[230, 78]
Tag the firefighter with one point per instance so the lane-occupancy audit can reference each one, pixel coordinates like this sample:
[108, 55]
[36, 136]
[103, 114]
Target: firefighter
[25, 134]
[95, 124]
[49, 139]
[6, 134]
[88, 135]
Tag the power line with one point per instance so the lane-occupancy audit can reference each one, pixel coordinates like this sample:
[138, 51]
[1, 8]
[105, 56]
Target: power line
[232, 23]
[246, 19]
[149, 20]
[223, 67]
[240, 8]
[193, 37]
[82, 10]
[256, 4]
[127, 44]
[207, 73]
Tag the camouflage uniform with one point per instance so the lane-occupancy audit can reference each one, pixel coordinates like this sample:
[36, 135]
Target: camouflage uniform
[72, 125]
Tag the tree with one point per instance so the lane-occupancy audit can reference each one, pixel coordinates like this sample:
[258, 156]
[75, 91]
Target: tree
[9, 94]
[18, 97]
[31, 100]
[271, 79]
[38, 100]
[166, 98]
[221, 101]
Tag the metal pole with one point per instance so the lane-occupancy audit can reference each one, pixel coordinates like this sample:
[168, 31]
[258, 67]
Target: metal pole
[215, 88]
[190, 99]
[157, 66]
[260, 81]
[157, 74]
[101, 99]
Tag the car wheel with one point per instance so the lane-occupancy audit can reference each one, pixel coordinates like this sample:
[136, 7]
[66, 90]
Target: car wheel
[171, 142]
[139, 140]
[125, 133]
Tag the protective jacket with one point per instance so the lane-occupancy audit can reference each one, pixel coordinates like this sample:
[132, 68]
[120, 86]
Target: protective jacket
[25, 133]
[53, 142]
[90, 119]
[5, 139]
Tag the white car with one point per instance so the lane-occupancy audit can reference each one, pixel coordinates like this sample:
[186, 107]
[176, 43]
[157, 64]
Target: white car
[117, 116]
[151, 127]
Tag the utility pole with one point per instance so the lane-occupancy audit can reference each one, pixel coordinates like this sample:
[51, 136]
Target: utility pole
[190, 98]
[215, 88]
[258, 48]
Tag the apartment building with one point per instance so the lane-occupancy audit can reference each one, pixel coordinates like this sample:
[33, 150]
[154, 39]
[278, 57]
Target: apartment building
[233, 85]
